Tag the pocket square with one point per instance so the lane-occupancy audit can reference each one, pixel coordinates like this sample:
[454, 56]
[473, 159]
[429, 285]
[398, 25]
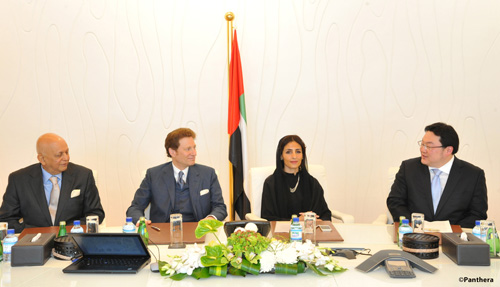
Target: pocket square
[75, 193]
[203, 192]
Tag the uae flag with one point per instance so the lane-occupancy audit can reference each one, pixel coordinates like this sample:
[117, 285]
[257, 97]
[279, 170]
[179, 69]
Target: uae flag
[237, 129]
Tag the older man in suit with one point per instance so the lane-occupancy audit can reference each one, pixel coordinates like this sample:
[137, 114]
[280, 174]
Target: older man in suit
[438, 184]
[179, 186]
[53, 190]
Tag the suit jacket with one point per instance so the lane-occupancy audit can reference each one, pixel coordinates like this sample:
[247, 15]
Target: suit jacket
[158, 189]
[25, 198]
[463, 201]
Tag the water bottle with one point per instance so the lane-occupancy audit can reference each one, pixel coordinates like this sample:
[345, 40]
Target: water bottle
[1, 251]
[128, 227]
[295, 230]
[8, 242]
[77, 228]
[62, 229]
[143, 231]
[403, 229]
[400, 223]
[476, 231]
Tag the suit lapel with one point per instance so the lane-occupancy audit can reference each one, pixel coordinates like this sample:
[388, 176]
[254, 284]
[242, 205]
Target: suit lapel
[68, 179]
[194, 189]
[451, 183]
[169, 181]
[424, 179]
[38, 191]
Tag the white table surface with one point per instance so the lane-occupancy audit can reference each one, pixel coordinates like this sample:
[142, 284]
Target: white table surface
[375, 237]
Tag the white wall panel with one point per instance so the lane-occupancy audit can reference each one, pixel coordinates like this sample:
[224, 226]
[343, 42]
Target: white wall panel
[357, 80]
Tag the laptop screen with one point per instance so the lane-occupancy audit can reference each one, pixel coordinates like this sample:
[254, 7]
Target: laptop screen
[110, 244]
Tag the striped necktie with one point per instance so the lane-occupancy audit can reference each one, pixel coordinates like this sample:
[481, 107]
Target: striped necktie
[181, 181]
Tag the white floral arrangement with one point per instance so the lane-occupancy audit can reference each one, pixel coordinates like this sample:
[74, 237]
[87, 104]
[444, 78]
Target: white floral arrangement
[247, 252]
[279, 252]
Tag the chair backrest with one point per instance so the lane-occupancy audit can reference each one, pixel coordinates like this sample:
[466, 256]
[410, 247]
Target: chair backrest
[258, 175]
[391, 175]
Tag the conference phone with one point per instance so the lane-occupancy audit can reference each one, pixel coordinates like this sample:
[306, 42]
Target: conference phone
[398, 263]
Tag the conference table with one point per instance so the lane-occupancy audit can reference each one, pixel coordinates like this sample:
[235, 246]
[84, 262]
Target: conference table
[374, 237]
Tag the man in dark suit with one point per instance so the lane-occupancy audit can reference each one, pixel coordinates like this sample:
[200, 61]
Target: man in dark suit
[179, 186]
[53, 190]
[438, 184]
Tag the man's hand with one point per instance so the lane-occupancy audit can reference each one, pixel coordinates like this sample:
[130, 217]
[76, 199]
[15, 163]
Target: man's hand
[148, 222]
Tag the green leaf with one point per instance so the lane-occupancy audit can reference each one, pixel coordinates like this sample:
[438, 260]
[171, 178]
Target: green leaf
[280, 268]
[252, 240]
[160, 265]
[249, 267]
[237, 272]
[315, 269]
[214, 256]
[178, 276]
[254, 260]
[301, 267]
[200, 272]
[209, 262]
[214, 250]
[338, 270]
[207, 226]
[218, 270]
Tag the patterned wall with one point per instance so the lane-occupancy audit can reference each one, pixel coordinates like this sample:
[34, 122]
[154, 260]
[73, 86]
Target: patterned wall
[357, 80]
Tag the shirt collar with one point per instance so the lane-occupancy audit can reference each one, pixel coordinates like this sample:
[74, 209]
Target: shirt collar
[446, 168]
[46, 175]
[176, 172]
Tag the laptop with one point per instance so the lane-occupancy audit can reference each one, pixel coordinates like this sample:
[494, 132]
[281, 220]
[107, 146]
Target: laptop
[109, 253]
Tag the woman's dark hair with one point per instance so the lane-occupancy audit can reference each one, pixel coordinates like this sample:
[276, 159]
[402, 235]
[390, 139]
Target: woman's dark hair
[281, 145]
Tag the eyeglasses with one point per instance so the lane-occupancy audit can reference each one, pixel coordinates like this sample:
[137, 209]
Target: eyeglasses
[426, 147]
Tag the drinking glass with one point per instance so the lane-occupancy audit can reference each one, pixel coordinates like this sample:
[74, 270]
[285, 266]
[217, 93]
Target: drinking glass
[417, 222]
[310, 226]
[92, 224]
[484, 226]
[176, 232]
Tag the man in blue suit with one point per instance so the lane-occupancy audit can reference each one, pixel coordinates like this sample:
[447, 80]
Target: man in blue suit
[438, 184]
[179, 186]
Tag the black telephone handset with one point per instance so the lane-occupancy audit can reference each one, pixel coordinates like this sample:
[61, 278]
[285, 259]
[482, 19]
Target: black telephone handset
[391, 257]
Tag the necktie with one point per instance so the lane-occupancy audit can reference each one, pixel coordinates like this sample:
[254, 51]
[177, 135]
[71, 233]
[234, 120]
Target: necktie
[436, 188]
[181, 181]
[54, 198]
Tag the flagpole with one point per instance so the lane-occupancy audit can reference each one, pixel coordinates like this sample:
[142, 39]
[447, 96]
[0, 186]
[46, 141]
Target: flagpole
[229, 27]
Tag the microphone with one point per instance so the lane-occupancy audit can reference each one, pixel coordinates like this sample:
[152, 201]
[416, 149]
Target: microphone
[154, 265]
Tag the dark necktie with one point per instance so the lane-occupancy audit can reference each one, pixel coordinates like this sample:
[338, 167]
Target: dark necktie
[181, 181]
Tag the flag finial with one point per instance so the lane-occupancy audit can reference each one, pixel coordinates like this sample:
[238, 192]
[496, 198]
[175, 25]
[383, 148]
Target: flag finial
[229, 16]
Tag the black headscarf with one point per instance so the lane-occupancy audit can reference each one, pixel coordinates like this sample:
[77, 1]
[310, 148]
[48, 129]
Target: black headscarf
[308, 195]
